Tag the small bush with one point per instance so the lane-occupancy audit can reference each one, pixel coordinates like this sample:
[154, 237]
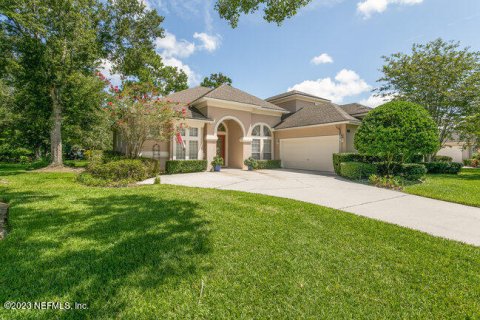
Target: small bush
[94, 155]
[442, 159]
[185, 166]
[385, 169]
[475, 163]
[269, 164]
[389, 182]
[357, 170]
[13, 154]
[339, 158]
[413, 171]
[152, 166]
[130, 170]
[443, 167]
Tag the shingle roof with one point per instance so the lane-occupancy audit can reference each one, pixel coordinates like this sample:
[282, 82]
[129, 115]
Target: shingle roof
[323, 113]
[294, 92]
[354, 109]
[223, 92]
[189, 95]
[229, 93]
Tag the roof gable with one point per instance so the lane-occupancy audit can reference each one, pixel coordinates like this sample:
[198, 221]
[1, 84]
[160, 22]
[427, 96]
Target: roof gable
[312, 115]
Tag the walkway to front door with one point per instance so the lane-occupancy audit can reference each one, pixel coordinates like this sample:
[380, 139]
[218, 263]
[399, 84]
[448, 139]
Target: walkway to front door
[439, 218]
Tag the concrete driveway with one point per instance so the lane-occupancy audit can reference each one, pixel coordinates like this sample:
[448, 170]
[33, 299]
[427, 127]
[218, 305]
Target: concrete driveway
[438, 218]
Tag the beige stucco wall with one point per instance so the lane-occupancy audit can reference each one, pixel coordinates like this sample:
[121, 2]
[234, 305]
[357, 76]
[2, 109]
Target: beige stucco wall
[235, 147]
[165, 152]
[307, 132]
[240, 124]
[351, 131]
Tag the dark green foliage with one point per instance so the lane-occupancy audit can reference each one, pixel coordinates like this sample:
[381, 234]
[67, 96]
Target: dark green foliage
[251, 162]
[269, 164]
[442, 159]
[14, 154]
[215, 80]
[185, 166]
[416, 158]
[384, 168]
[444, 79]
[127, 169]
[274, 11]
[357, 170]
[397, 130]
[338, 158]
[413, 171]
[443, 167]
[152, 166]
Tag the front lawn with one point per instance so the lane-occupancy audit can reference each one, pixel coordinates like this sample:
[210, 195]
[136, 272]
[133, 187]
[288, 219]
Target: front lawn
[463, 188]
[174, 252]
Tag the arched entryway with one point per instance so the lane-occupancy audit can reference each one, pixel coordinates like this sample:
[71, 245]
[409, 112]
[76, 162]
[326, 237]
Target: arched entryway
[229, 133]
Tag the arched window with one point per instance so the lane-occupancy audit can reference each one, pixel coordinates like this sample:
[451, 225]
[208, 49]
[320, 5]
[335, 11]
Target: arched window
[262, 142]
[156, 151]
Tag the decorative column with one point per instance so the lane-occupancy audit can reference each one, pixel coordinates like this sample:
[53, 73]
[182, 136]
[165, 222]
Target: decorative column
[211, 149]
[247, 148]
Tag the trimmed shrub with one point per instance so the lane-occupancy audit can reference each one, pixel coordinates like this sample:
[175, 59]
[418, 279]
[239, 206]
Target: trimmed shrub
[443, 167]
[382, 168]
[339, 158]
[269, 164]
[413, 171]
[357, 170]
[131, 170]
[185, 166]
[152, 166]
[442, 159]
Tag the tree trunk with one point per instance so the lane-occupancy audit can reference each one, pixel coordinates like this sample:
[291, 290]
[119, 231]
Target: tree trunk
[56, 131]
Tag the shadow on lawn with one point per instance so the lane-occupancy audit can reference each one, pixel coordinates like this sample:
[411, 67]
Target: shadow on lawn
[114, 245]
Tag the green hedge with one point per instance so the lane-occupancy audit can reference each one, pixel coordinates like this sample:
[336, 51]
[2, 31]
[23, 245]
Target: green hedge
[269, 164]
[443, 167]
[339, 158]
[357, 170]
[442, 159]
[185, 166]
[132, 170]
[413, 171]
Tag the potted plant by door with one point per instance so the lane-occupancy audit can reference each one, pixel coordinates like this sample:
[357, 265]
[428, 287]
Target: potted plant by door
[217, 163]
[251, 163]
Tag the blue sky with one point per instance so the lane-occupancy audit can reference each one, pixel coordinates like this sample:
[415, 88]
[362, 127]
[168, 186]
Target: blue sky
[348, 37]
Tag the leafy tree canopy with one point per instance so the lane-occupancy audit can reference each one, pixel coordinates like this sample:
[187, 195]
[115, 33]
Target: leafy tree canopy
[440, 76]
[274, 11]
[397, 129]
[215, 80]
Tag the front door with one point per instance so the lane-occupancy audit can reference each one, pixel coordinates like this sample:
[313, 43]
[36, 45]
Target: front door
[221, 147]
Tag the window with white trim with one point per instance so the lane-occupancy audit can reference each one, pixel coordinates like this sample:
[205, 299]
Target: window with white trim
[189, 149]
[262, 142]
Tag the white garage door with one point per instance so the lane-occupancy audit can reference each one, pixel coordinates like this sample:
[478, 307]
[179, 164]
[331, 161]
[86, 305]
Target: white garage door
[309, 153]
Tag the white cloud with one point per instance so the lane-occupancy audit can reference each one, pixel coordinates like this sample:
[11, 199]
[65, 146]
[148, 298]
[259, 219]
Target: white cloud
[346, 83]
[369, 7]
[193, 78]
[169, 46]
[374, 101]
[106, 69]
[323, 58]
[209, 42]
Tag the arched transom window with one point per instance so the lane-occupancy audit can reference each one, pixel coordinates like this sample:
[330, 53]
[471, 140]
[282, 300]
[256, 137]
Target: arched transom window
[262, 142]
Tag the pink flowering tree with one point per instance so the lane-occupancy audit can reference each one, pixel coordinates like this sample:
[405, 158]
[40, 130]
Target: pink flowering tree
[139, 114]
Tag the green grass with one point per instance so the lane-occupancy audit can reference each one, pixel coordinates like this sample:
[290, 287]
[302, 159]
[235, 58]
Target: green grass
[463, 188]
[76, 163]
[147, 252]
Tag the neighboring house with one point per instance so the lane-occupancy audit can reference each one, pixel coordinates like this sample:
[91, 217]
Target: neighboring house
[456, 149]
[301, 130]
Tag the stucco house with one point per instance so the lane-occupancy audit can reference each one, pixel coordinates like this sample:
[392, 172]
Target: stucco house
[301, 130]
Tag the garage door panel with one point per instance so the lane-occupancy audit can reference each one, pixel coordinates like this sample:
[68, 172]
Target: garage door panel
[309, 153]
